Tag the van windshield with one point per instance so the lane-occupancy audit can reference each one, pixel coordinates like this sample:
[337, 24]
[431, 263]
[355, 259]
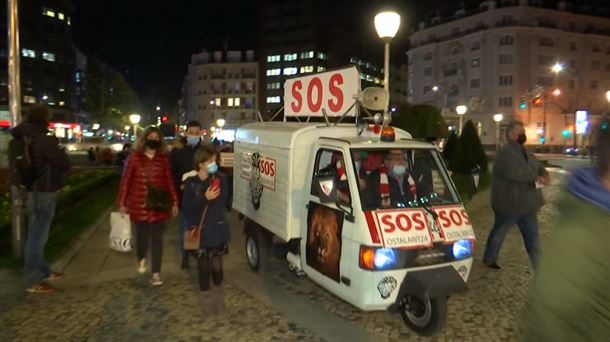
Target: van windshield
[401, 178]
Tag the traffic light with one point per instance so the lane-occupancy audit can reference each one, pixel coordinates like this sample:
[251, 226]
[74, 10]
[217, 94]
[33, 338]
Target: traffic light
[542, 140]
[164, 118]
[523, 104]
[537, 101]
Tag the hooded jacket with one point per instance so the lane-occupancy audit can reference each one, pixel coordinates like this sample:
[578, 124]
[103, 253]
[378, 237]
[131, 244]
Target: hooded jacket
[570, 299]
[50, 162]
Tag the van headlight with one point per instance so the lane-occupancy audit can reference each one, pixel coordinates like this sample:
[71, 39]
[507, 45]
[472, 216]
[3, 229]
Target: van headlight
[462, 249]
[384, 258]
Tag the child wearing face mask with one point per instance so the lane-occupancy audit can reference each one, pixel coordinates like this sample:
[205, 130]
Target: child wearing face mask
[205, 196]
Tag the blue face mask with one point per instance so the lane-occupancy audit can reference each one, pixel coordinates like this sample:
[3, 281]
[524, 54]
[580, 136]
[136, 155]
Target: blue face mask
[399, 170]
[192, 140]
[212, 168]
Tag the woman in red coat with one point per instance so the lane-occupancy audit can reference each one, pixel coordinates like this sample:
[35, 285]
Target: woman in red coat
[148, 195]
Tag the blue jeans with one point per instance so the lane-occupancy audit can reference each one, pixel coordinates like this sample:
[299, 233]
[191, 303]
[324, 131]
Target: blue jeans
[182, 223]
[528, 225]
[41, 210]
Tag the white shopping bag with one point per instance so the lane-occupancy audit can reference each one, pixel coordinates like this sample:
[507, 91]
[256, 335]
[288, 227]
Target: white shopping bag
[120, 232]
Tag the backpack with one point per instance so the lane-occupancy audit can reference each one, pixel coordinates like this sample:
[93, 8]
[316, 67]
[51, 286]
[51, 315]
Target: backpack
[22, 172]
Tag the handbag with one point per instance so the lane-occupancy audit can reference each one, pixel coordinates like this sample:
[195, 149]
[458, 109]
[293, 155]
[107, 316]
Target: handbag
[157, 199]
[120, 232]
[192, 237]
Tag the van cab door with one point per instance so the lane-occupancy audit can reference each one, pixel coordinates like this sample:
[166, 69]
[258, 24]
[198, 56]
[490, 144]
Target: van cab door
[329, 225]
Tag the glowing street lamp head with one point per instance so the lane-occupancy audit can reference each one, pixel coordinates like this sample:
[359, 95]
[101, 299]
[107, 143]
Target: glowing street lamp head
[608, 95]
[135, 118]
[220, 122]
[387, 24]
[435, 88]
[461, 109]
[498, 117]
[127, 127]
[158, 108]
[557, 92]
[558, 67]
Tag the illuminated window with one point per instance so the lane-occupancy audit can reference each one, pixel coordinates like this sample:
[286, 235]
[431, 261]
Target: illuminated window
[322, 56]
[47, 56]
[237, 102]
[28, 53]
[230, 102]
[62, 103]
[290, 57]
[290, 71]
[274, 72]
[60, 16]
[274, 85]
[69, 22]
[306, 69]
[61, 90]
[321, 68]
[218, 102]
[273, 58]
[48, 12]
[308, 54]
[29, 99]
[273, 99]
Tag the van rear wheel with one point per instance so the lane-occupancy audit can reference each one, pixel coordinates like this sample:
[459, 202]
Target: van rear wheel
[426, 317]
[258, 246]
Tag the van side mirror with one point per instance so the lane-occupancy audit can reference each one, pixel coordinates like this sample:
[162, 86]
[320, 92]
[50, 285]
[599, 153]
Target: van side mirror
[325, 188]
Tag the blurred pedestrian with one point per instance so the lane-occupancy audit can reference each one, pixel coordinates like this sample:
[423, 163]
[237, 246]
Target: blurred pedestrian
[208, 190]
[121, 157]
[98, 156]
[570, 299]
[107, 157]
[182, 162]
[516, 196]
[50, 164]
[148, 195]
[91, 156]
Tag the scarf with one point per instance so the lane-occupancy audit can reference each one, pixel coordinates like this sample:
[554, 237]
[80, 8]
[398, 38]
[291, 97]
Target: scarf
[384, 188]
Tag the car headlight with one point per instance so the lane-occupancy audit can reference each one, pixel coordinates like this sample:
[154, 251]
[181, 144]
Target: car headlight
[462, 249]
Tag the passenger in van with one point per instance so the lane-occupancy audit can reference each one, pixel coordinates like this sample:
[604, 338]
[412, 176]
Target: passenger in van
[372, 172]
[402, 185]
[337, 169]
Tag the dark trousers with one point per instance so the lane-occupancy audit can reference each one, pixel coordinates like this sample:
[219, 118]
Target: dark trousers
[528, 225]
[150, 233]
[41, 210]
[209, 266]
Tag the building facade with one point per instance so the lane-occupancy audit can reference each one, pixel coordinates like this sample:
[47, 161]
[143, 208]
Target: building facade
[498, 57]
[221, 85]
[47, 57]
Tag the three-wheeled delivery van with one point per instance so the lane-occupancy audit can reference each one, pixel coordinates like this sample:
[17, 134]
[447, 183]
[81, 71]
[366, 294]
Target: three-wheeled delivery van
[368, 213]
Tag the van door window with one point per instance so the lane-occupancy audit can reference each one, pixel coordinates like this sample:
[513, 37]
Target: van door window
[332, 162]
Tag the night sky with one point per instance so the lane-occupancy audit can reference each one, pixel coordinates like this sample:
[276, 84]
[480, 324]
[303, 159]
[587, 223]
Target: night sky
[151, 42]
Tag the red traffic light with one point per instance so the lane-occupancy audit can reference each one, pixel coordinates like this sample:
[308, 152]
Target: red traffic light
[164, 118]
[537, 101]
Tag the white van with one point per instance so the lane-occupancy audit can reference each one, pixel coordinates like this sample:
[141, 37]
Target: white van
[377, 223]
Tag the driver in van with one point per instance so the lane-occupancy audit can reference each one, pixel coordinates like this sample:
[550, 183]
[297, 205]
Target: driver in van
[402, 185]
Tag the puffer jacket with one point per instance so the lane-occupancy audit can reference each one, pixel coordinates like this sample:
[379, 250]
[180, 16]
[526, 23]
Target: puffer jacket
[48, 159]
[140, 171]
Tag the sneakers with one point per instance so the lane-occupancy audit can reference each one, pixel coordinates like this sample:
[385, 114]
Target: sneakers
[156, 280]
[493, 266]
[185, 263]
[41, 288]
[142, 266]
[55, 276]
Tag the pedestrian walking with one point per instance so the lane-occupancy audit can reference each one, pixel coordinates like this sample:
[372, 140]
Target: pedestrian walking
[516, 196]
[148, 195]
[98, 156]
[570, 298]
[121, 157]
[91, 156]
[182, 162]
[205, 196]
[47, 166]
[107, 156]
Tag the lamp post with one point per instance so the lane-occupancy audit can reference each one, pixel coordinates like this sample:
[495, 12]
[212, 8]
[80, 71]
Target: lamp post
[498, 118]
[557, 68]
[386, 25]
[135, 120]
[461, 110]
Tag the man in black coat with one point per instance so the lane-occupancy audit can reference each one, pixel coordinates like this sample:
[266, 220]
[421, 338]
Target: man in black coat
[182, 162]
[49, 166]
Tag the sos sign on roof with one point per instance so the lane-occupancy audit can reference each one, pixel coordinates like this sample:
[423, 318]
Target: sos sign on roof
[331, 91]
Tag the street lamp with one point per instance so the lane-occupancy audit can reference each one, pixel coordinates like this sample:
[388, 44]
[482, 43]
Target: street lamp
[386, 25]
[461, 110]
[557, 92]
[608, 99]
[135, 120]
[220, 123]
[498, 118]
[557, 68]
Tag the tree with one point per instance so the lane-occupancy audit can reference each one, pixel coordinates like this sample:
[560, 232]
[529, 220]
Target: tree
[450, 145]
[468, 152]
[109, 98]
[422, 121]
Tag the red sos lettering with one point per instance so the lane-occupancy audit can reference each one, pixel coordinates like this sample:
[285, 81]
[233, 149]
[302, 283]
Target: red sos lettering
[453, 217]
[267, 167]
[315, 94]
[403, 222]
[389, 225]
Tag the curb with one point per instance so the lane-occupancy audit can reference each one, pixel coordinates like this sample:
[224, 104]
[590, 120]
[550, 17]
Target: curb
[80, 242]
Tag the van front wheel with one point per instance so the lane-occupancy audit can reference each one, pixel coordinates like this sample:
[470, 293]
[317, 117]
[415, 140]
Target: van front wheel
[252, 252]
[426, 317]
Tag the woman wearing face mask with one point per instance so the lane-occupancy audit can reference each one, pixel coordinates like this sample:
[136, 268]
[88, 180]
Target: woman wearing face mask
[148, 195]
[209, 189]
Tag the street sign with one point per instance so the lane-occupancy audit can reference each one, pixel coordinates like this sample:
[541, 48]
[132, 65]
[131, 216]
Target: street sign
[331, 91]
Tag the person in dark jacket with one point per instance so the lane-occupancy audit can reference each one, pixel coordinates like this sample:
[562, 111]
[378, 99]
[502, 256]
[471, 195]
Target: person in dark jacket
[50, 164]
[516, 196]
[121, 157]
[182, 162]
[570, 298]
[208, 189]
[91, 156]
[148, 168]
